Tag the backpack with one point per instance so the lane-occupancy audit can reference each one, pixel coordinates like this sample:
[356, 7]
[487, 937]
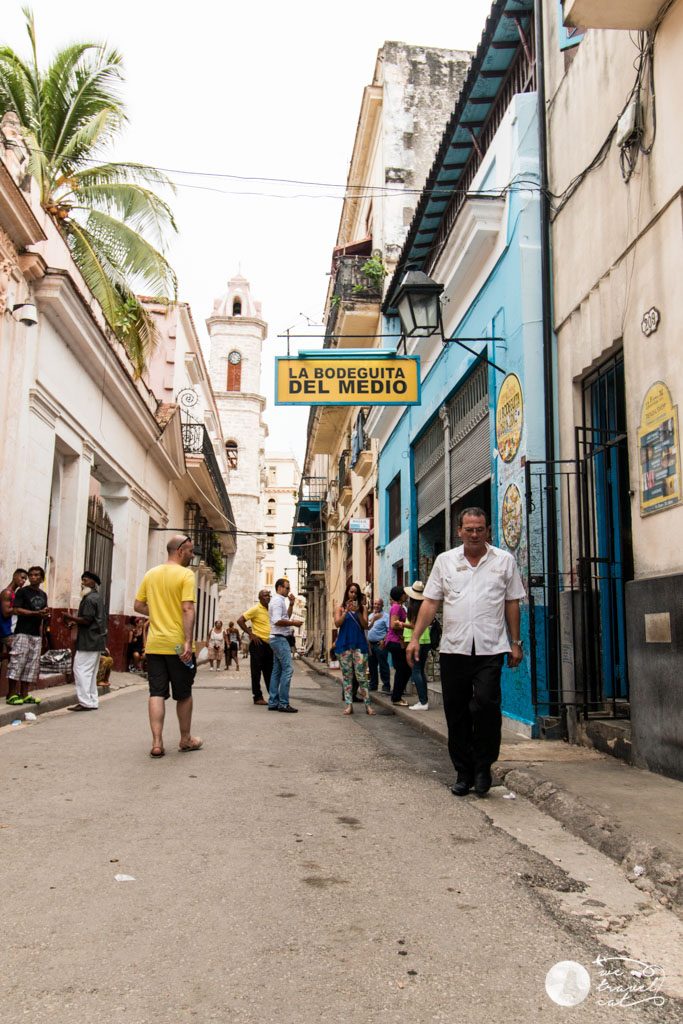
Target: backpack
[435, 634]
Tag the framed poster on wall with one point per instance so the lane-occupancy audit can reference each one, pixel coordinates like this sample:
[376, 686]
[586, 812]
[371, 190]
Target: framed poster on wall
[659, 451]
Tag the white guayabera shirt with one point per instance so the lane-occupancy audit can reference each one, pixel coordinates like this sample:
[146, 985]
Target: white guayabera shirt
[474, 599]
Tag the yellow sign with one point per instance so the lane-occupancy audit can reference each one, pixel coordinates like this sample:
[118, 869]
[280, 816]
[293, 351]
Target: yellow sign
[509, 417]
[660, 466]
[348, 380]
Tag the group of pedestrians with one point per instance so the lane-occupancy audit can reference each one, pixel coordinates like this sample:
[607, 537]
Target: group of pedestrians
[24, 617]
[478, 585]
[480, 589]
[369, 645]
[223, 643]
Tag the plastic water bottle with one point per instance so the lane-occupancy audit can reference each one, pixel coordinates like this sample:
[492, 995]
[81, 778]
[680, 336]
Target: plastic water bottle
[179, 650]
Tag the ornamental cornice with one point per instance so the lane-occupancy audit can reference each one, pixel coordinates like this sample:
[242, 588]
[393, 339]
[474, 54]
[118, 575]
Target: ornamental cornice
[40, 404]
[16, 215]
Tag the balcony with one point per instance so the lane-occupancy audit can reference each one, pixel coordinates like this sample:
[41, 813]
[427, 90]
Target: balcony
[307, 516]
[205, 473]
[364, 463]
[636, 14]
[354, 304]
[209, 544]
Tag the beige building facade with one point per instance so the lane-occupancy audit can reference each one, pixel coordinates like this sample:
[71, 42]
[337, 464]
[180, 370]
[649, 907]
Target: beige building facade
[615, 173]
[402, 116]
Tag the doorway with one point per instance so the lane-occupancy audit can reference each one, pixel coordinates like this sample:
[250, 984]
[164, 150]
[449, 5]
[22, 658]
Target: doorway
[605, 537]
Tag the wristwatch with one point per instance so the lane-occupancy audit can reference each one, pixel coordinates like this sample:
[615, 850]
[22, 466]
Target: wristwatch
[516, 643]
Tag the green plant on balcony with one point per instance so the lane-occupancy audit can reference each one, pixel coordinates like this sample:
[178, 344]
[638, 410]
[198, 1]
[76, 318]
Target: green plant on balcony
[216, 559]
[335, 301]
[374, 271]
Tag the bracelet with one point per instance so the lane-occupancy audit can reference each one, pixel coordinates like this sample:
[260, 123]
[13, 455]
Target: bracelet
[516, 643]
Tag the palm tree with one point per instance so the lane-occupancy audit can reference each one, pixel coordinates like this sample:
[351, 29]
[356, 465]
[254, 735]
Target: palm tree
[112, 221]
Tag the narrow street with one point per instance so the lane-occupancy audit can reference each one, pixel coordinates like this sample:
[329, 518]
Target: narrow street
[298, 868]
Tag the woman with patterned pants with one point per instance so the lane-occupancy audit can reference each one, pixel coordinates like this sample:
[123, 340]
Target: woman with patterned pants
[351, 646]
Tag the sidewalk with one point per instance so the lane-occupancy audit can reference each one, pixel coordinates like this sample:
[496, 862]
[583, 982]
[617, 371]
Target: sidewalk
[56, 697]
[633, 816]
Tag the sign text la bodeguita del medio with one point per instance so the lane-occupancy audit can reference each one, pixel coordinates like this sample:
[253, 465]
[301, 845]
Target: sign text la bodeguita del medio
[364, 380]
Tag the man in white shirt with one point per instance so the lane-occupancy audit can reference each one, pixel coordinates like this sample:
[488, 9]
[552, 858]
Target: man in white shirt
[481, 588]
[281, 622]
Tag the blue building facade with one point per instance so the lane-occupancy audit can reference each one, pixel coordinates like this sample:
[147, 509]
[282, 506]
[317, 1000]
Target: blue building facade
[476, 428]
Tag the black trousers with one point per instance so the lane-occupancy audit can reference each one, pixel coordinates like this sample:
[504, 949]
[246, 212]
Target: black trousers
[402, 670]
[260, 661]
[471, 701]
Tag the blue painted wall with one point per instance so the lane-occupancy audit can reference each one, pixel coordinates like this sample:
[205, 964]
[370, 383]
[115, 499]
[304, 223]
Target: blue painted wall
[507, 304]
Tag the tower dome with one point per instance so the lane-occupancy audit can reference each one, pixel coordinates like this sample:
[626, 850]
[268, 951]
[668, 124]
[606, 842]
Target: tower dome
[237, 300]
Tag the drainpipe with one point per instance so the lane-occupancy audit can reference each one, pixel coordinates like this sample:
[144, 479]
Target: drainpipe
[551, 539]
[446, 424]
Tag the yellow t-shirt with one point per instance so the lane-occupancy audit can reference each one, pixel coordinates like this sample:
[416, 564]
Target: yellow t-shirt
[260, 621]
[163, 589]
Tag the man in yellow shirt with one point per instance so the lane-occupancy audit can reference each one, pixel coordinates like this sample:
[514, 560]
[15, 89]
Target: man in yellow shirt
[167, 597]
[260, 651]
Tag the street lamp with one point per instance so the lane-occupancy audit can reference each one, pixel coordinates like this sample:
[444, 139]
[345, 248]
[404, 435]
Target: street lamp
[418, 301]
[419, 306]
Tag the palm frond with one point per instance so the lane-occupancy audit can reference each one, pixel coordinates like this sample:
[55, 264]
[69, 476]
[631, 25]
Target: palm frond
[138, 207]
[122, 309]
[89, 136]
[16, 87]
[134, 257]
[81, 85]
[69, 112]
[112, 173]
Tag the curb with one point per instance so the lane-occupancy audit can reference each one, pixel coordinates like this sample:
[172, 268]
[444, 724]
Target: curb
[55, 702]
[655, 874]
[646, 866]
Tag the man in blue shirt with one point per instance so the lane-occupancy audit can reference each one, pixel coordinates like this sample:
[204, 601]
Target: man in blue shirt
[378, 658]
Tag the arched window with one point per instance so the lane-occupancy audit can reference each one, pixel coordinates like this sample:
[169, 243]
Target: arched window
[234, 371]
[236, 307]
[231, 452]
[270, 511]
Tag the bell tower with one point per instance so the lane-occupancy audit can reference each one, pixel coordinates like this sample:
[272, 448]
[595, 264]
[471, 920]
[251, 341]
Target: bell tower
[237, 333]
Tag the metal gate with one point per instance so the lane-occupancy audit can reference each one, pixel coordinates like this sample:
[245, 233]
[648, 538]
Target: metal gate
[99, 546]
[577, 614]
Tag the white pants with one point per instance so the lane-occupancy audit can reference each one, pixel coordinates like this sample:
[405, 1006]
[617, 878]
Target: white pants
[86, 664]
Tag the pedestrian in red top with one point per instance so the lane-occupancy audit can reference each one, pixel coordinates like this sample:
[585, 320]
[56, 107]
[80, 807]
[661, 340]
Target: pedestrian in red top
[394, 645]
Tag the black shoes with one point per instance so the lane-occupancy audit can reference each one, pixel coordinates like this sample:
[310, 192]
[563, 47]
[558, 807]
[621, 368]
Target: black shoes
[482, 782]
[462, 786]
[289, 710]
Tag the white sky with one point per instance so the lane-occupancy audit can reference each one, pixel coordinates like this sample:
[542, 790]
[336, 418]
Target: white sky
[258, 89]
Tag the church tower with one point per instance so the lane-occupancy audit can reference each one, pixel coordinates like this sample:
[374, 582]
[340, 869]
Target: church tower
[237, 333]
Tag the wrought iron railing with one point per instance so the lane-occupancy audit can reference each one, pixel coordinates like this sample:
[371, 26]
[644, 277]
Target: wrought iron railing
[312, 488]
[350, 285]
[207, 542]
[196, 441]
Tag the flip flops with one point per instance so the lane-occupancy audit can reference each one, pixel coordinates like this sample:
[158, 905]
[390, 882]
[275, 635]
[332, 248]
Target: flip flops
[194, 744]
[157, 752]
[15, 699]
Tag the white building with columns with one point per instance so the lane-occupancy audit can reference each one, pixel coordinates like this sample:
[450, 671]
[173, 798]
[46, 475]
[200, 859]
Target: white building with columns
[237, 332]
[95, 466]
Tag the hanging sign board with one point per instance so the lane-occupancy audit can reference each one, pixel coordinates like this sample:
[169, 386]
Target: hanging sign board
[509, 417]
[658, 446]
[359, 526]
[353, 380]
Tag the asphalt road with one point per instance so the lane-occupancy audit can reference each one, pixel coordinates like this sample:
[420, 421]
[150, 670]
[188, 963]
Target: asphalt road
[300, 868]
